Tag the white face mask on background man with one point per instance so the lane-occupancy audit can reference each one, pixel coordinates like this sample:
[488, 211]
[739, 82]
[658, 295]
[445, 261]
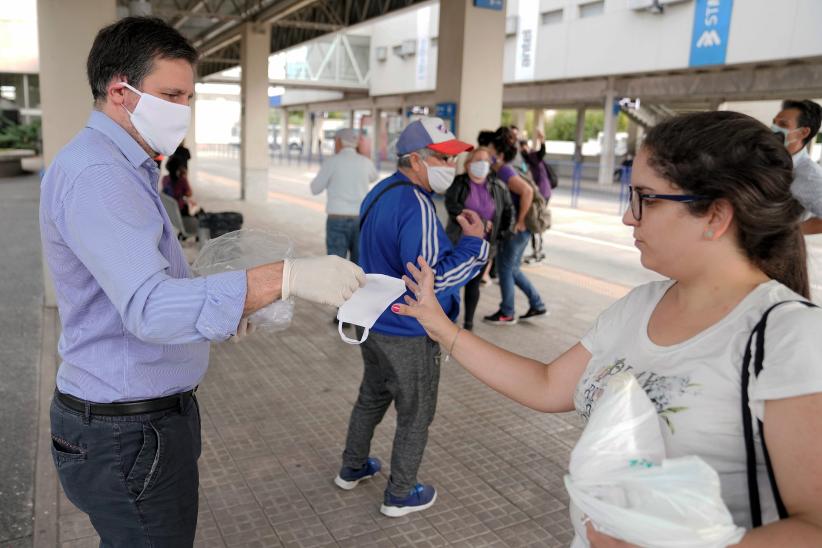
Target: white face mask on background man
[785, 132]
[162, 124]
[440, 177]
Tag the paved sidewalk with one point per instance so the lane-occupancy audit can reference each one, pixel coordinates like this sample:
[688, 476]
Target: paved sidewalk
[21, 297]
[276, 408]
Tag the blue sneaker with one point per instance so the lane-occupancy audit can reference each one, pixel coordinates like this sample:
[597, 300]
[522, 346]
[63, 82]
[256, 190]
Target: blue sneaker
[348, 478]
[420, 498]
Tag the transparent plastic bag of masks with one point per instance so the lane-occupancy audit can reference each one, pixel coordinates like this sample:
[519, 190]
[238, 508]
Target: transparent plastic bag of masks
[620, 479]
[244, 249]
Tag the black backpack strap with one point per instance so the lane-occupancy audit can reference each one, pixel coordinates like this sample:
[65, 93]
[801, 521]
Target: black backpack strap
[378, 196]
[747, 421]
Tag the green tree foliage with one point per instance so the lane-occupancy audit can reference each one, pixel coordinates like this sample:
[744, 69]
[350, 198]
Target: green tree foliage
[563, 126]
[25, 136]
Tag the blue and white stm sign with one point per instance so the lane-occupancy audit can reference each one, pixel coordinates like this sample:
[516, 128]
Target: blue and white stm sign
[495, 5]
[712, 24]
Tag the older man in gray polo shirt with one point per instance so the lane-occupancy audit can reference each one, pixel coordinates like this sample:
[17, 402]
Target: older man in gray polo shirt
[346, 176]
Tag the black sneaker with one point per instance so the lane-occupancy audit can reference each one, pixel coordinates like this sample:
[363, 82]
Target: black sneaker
[498, 318]
[532, 312]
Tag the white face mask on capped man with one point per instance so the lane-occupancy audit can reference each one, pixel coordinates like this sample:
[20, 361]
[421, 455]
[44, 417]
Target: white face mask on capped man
[440, 177]
[161, 123]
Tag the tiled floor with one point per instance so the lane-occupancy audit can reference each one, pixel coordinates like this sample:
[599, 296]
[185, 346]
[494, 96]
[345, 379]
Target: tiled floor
[275, 412]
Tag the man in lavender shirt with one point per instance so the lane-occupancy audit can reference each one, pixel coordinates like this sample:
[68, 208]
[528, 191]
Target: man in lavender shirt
[136, 326]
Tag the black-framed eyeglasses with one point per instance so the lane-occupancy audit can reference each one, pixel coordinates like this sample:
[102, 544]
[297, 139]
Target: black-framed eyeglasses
[441, 157]
[637, 198]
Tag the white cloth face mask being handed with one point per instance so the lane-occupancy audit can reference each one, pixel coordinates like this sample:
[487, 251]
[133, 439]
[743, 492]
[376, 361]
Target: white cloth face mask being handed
[368, 303]
[161, 123]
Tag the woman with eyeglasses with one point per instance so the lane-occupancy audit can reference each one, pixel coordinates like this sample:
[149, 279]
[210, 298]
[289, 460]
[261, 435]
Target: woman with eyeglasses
[711, 210]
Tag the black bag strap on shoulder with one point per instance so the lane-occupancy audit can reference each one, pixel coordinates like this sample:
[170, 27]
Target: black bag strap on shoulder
[378, 196]
[747, 421]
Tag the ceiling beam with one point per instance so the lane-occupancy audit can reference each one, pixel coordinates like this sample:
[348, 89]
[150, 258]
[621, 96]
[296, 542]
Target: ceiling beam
[309, 25]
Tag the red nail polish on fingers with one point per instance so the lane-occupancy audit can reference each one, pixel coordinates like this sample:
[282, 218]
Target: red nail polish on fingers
[395, 308]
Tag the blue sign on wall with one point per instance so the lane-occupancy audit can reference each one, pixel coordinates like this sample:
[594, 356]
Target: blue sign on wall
[495, 5]
[712, 23]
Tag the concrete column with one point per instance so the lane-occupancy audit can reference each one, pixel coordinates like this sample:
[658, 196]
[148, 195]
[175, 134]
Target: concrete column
[191, 137]
[65, 96]
[284, 132]
[470, 49]
[633, 134]
[308, 133]
[606, 158]
[376, 114]
[254, 50]
[539, 121]
[349, 119]
[519, 121]
[579, 136]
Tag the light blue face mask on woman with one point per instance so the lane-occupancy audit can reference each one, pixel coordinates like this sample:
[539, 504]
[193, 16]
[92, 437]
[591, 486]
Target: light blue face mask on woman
[479, 169]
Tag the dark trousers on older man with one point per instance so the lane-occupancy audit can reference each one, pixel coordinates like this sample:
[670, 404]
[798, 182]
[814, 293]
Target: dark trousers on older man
[406, 371]
[134, 475]
[342, 236]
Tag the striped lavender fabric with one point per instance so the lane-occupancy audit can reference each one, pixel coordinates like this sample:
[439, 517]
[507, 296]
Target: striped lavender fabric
[136, 325]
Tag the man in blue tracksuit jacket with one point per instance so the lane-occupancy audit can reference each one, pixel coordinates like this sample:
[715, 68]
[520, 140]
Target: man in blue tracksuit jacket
[401, 364]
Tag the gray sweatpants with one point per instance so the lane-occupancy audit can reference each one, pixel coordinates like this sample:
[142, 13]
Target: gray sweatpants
[405, 370]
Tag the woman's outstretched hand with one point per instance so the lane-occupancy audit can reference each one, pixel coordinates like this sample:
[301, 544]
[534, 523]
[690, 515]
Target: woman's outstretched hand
[424, 306]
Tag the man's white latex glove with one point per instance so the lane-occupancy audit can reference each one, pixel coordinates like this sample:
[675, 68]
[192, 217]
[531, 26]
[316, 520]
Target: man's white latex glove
[325, 280]
[243, 330]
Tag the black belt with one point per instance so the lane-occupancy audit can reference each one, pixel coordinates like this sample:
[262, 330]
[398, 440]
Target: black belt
[141, 407]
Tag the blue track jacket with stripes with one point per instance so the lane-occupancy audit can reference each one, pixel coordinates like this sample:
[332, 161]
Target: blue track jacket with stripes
[402, 226]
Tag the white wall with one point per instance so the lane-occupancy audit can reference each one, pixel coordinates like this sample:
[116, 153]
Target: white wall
[214, 119]
[18, 36]
[302, 96]
[397, 75]
[621, 40]
[766, 30]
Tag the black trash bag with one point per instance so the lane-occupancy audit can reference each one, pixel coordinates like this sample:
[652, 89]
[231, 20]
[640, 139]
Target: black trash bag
[221, 222]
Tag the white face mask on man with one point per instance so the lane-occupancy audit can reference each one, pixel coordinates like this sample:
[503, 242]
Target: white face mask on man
[161, 123]
[440, 177]
[784, 132]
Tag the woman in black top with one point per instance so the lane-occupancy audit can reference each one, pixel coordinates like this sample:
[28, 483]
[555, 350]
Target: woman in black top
[479, 189]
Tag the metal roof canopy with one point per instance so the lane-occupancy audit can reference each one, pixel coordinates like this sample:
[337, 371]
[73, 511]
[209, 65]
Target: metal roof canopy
[215, 26]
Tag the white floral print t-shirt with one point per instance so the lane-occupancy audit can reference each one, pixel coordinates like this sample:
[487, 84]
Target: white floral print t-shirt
[696, 384]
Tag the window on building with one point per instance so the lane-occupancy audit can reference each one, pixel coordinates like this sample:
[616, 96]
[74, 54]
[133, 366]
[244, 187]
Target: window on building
[592, 9]
[551, 17]
[34, 91]
[11, 88]
[511, 24]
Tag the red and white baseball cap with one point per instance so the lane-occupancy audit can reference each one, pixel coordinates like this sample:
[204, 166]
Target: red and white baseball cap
[430, 133]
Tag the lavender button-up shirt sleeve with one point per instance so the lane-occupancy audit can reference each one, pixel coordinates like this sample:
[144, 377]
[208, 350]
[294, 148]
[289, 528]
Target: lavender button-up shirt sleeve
[115, 230]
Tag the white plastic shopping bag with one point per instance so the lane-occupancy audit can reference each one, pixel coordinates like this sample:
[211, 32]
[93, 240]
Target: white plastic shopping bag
[244, 249]
[620, 480]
